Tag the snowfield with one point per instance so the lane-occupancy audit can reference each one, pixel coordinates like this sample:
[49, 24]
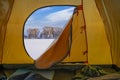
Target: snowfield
[36, 47]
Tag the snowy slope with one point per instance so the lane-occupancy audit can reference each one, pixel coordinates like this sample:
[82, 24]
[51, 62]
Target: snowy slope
[36, 47]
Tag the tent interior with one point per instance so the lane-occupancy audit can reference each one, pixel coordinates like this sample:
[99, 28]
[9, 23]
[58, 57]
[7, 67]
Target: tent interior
[102, 21]
[91, 36]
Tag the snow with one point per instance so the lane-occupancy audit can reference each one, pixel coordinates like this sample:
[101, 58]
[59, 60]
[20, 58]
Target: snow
[36, 47]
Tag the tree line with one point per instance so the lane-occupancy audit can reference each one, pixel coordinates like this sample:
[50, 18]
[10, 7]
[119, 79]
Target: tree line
[46, 33]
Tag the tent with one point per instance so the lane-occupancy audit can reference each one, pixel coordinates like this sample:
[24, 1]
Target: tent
[99, 40]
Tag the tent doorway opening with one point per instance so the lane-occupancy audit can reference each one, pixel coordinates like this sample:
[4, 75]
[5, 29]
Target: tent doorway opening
[43, 27]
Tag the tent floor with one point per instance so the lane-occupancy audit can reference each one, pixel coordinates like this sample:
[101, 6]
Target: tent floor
[58, 73]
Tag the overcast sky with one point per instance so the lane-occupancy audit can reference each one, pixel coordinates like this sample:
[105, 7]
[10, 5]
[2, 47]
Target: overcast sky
[55, 16]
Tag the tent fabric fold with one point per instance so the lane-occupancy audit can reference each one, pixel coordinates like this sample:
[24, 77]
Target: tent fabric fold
[60, 49]
[109, 11]
[79, 40]
[57, 51]
[5, 11]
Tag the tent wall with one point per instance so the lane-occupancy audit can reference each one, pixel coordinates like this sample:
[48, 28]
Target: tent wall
[14, 51]
[5, 10]
[78, 51]
[98, 47]
[110, 12]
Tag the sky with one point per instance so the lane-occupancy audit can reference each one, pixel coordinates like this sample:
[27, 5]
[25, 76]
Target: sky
[55, 16]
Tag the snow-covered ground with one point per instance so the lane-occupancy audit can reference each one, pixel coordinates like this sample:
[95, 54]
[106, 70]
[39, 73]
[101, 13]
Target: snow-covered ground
[36, 47]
